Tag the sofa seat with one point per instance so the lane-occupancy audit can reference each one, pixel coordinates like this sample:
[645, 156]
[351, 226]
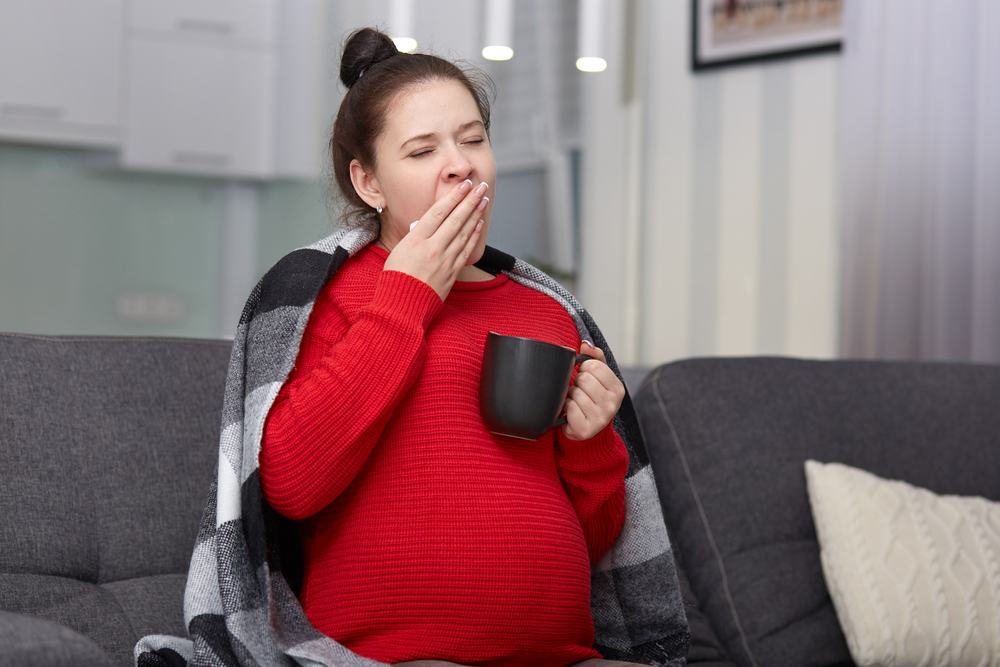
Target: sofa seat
[28, 641]
[114, 615]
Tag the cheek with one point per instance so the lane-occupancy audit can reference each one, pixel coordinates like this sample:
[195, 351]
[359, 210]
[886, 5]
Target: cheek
[412, 196]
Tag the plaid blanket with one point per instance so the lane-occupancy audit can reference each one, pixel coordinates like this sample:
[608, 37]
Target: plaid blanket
[239, 605]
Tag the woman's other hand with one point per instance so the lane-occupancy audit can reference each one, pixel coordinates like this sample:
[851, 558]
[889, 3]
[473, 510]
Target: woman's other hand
[440, 243]
[594, 398]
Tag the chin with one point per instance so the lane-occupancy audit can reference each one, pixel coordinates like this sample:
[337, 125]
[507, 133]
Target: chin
[477, 253]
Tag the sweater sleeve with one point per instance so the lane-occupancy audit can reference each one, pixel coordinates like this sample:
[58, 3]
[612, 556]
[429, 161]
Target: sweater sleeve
[593, 472]
[351, 374]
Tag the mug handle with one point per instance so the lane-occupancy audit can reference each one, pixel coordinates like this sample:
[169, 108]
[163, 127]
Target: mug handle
[580, 358]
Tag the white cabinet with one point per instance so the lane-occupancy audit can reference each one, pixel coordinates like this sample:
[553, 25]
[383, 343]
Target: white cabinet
[227, 88]
[200, 110]
[201, 87]
[237, 20]
[60, 71]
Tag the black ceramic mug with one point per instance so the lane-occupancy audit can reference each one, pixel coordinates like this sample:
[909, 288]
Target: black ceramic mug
[523, 384]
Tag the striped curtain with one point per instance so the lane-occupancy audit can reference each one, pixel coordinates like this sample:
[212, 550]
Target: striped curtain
[921, 180]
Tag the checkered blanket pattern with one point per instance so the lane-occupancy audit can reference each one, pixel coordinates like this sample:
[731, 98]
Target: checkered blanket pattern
[239, 604]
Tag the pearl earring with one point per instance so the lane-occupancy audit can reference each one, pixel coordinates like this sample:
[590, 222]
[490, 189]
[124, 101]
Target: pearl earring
[378, 209]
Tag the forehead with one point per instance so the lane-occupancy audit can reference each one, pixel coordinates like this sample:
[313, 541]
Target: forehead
[430, 106]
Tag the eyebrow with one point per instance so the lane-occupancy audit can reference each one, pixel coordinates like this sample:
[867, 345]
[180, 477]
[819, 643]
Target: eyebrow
[430, 135]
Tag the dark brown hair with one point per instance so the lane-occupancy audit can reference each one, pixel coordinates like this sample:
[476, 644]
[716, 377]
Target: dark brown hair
[375, 72]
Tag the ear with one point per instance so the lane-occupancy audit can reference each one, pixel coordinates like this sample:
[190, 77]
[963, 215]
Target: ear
[366, 186]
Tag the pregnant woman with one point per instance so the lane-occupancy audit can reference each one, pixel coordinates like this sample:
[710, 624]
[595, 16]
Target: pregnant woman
[425, 535]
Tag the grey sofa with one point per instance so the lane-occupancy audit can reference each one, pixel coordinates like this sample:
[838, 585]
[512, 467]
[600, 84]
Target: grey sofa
[108, 447]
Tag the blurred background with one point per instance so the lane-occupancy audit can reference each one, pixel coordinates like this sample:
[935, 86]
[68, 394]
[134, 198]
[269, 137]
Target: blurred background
[158, 156]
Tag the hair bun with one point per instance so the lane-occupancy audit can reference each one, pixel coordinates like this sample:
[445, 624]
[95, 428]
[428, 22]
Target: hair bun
[364, 48]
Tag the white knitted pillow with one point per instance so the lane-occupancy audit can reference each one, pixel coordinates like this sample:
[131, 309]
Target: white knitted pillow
[914, 576]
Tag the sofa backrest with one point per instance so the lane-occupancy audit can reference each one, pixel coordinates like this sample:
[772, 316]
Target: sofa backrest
[728, 439]
[107, 450]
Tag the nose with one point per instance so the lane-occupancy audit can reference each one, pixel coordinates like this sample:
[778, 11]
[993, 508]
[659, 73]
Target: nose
[458, 167]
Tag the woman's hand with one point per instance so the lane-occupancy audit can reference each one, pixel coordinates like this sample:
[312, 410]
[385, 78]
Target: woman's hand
[594, 398]
[441, 242]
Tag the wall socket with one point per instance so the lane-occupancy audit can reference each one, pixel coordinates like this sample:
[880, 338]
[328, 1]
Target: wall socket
[151, 308]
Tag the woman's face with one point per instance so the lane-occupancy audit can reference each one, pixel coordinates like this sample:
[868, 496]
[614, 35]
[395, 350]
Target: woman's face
[433, 140]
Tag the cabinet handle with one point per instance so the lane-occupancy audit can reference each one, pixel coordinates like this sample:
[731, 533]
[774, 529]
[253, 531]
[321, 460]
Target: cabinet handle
[196, 159]
[203, 25]
[32, 111]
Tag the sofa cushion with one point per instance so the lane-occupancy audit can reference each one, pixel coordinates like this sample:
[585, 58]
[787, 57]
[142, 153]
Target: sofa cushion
[39, 643]
[166, 617]
[107, 450]
[705, 649]
[728, 439]
[914, 576]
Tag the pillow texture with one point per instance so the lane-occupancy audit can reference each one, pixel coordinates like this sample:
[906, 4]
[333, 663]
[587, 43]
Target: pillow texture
[914, 576]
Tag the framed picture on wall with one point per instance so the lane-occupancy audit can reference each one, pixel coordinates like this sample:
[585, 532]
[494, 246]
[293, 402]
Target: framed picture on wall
[730, 32]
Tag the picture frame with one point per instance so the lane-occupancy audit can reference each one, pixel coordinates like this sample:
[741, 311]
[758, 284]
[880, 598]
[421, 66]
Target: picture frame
[733, 32]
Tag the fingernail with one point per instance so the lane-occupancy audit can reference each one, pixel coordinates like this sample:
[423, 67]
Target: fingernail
[481, 188]
[413, 224]
[465, 186]
[482, 204]
[479, 226]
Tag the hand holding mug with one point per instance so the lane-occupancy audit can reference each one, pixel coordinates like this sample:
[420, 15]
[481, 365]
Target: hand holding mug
[594, 397]
[525, 385]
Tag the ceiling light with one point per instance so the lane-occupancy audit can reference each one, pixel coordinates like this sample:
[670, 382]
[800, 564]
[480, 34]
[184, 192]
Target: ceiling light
[401, 25]
[498, 52]
[405, 44]
[591, 64]
[499, 30]
[590, 37]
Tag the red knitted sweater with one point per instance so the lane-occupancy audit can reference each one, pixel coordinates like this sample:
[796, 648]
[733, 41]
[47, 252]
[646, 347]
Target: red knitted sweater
[425, 535]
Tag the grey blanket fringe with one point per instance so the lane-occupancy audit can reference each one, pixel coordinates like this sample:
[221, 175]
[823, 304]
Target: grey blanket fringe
[240, 607]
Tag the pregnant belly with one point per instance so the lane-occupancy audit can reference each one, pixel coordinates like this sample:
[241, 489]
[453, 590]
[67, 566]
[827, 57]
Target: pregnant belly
[477, 578]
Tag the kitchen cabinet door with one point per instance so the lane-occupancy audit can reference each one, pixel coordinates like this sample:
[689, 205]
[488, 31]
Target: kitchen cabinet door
[200, 109]
[61, 71]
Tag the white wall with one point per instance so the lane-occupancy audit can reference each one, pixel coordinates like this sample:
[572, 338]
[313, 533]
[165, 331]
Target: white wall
[709, 200]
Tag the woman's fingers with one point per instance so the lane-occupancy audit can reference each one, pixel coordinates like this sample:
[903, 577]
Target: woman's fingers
[591, 351]
[600, 370]
[582, 418]
[459, 227]
[465, 240]
[584, 401]
[449, 214]
[460, 231]
[605, 400]
[441, 209]
[457, 233]
[595, 397]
